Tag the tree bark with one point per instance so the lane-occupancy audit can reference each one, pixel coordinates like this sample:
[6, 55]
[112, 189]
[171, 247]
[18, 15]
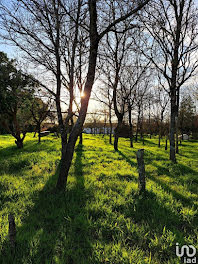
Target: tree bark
[177, 124]
[117, 133]
[34, 134]
[110, 134]
[12, 231]
[177, 140]
[19, 143]
[116, 140]
[173, 86]
[39, 133]
[160, 133]
[142, 132]
[149, 119]
[166, 144]
[172, 129]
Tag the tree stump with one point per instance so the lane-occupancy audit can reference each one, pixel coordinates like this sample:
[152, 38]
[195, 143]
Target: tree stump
[141, 170]
[12, 231]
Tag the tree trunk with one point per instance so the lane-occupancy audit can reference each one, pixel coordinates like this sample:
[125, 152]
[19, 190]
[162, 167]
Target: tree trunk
[110, 122]
[34, 134]
[172, 129]
[117, 133]
[77, 128]
[39, 133]
[19, 143]
[63, 141]
[177, 124]
[116, 141]
[166, 145]
[130, 128]
[141, 129]
[150, 119]
[110, 134]
[177, 140]
[160, 132]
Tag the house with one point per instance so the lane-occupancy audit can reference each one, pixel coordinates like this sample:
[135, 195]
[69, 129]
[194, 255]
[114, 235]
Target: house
[98, 128]
[185, 137]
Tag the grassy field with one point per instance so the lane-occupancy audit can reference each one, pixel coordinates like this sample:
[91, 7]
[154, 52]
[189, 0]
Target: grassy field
[100, 218]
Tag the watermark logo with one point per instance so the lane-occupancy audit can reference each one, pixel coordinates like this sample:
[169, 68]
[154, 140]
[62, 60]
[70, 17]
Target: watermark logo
[187, 253]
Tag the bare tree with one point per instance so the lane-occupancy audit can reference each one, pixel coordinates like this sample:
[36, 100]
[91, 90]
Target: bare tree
[94, 39]
[49, 22]
[40, 111]
[105, 94]
[134, 77]
[38, 28]
[173, 43]
[162, 101]
[141, 97]
[117, 59]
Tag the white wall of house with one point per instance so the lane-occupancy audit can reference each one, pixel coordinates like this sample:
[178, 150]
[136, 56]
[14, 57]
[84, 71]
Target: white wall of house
[98, 130]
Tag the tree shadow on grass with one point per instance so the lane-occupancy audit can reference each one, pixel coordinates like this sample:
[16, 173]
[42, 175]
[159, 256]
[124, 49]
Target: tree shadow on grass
[162, 170]
[13, 160]
[178, 196]
[106, 140]
[177, 173]
[149, 211]
[132, 163]
[56, 228]
[165, 227]
[148, 142]
[29, 147]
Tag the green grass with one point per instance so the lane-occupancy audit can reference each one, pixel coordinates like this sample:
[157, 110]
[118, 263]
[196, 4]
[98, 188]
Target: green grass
[100, 218]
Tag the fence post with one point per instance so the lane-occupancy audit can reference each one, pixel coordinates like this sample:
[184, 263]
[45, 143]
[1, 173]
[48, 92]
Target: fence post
[12, 231]
[141, 170]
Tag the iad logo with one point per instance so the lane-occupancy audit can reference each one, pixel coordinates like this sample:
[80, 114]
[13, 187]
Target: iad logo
[189, 255]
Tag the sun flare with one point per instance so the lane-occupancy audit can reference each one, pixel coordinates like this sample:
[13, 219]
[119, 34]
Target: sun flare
[82, 94]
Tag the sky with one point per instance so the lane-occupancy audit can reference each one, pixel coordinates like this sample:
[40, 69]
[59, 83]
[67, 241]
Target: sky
[13, 53]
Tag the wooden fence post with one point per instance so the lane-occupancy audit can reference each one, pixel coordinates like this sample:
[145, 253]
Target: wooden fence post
[141, 170]
[12, 231]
